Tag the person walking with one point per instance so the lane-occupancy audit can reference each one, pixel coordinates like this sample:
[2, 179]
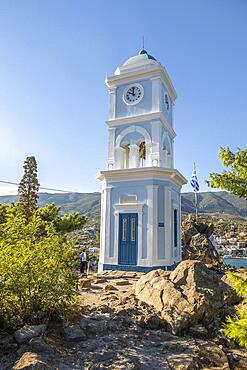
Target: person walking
[83, 263]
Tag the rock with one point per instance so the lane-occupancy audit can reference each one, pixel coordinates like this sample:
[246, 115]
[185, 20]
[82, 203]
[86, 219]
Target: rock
[84, 283]
[237, 359]
[231, 294]
[196, 241]
[105, 309]
[154, 323]
[93, 326]
[181, 361]
[39, 345]
[189, 295]
[74, 334]
[109, 287]
[7, 343]
[198, 331]
[212, 355]
[29, 331]
[111, 361]
[122, 282]
[31, 361]
[149, 287]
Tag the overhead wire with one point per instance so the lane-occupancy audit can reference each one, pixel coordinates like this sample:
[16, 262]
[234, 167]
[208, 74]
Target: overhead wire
[41, 187]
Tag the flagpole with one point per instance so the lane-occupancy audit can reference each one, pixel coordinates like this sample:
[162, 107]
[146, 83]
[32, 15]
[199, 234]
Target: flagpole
[196, 204]
[195, 185]
[195, 193]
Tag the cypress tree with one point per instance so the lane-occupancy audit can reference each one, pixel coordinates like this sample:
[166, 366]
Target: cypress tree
[29, 187]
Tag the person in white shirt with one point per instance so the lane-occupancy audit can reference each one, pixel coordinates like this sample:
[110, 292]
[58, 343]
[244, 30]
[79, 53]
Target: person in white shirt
[83, 262]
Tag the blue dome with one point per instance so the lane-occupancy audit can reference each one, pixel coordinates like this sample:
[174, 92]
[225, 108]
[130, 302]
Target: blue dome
[142, 56]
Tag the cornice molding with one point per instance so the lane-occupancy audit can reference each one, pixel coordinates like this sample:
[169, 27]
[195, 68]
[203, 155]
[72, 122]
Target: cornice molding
[143, 117]
[144, 173]
[133, 75]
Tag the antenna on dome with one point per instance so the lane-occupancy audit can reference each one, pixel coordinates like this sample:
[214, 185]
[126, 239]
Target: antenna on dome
[142, 42]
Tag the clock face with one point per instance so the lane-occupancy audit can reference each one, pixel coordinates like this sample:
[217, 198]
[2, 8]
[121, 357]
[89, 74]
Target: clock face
[133, 94]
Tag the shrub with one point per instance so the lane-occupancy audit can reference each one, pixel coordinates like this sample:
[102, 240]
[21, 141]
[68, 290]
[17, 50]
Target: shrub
[37, 275]
[236, 327]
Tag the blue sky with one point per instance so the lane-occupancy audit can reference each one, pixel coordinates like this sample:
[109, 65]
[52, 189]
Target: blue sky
[55, 55]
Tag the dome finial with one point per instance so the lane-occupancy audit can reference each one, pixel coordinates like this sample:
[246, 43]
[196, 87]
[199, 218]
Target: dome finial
[142, 51]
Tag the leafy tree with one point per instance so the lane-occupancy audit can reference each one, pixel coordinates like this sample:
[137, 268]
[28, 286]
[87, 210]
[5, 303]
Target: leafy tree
[235, 179]
[69, 222]
[37, 275]
[236, 327]
[65, 223]
[49, 212]
[29, 187]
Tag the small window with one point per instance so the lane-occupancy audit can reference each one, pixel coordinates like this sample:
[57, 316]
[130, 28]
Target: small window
[124, 230]
[175, 227]
[167, 102]
[133, 229]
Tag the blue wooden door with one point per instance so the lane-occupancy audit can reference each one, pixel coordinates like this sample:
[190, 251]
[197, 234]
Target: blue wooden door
[127, 251]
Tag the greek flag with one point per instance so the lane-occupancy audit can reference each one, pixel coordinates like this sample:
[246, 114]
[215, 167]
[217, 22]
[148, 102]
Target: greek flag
[194, 181]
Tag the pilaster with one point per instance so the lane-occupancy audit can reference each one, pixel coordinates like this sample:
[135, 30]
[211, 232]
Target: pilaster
[119, 158]
[112, 105]
[156, 139]
[156, 94]
[134, 156]
[105, 225]
[111, 145]
[152, 226]
[168, 225]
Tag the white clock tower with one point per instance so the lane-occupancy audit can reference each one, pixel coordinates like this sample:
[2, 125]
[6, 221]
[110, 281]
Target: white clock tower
[141, 201]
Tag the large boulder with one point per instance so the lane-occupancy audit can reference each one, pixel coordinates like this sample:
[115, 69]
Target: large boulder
[197, 242]
[191, 294]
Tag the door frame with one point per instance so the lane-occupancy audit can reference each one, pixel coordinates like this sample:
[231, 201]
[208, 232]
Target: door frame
[128, 208]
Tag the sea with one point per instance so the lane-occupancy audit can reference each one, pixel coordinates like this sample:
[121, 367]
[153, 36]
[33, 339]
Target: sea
[236, 262]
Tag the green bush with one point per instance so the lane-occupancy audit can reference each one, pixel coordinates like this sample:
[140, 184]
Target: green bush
[236, 327]
[37, 275]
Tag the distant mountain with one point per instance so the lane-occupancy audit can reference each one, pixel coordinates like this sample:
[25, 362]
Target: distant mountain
[89, 203]
[215, 202]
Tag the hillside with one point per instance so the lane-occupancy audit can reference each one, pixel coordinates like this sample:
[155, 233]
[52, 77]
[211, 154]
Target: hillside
[89, 203]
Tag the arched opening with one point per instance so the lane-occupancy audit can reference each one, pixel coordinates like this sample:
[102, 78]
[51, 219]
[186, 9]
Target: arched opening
[166, 152]
[132, 148]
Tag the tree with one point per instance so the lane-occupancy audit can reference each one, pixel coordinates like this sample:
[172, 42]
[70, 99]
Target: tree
[65, 223]
[235, 179]
[29, 187]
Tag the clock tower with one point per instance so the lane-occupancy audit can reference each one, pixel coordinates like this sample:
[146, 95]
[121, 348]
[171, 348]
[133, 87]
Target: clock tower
[141, 200]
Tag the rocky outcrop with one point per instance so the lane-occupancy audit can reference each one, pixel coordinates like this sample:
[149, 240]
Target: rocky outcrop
[191, 294]
[115, 330]
[197, 242]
